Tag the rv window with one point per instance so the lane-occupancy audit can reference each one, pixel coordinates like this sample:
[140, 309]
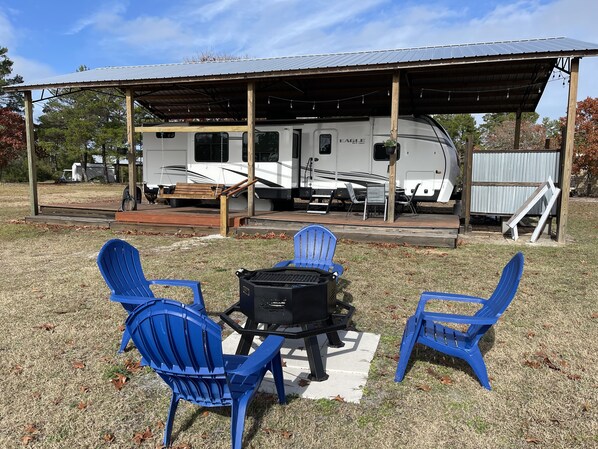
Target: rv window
[164, 135]
[266, 146]
[325, 143]
[211, 147]
[380, 152]
[296, 145]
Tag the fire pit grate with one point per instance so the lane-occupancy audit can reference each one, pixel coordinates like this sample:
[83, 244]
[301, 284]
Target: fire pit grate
[265, 277]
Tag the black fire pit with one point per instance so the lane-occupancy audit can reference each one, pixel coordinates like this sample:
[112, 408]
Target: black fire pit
[294, 303]
[287, 295]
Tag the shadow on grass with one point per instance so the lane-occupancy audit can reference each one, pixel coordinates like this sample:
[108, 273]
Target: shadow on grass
[258, 408]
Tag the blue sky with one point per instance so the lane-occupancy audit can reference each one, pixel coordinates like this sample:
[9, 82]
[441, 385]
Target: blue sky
[47, 38]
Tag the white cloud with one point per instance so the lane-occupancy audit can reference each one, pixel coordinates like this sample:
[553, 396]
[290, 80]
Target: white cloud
[30, 69]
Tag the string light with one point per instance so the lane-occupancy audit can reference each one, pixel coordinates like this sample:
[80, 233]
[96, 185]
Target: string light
[362, 99]
[314, 106]
[449, 96]
[421, 93]
[228, 104]
[338, 104]
[268, 100]
[291, 104]
[478, 99]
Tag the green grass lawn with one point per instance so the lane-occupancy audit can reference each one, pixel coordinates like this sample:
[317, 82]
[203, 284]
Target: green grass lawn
[60, 334]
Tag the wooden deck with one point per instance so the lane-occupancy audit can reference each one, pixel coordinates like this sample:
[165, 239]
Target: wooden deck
[424, 229]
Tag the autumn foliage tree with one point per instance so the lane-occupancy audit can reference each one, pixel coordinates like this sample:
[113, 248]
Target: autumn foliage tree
[585, 154]
[12, 137]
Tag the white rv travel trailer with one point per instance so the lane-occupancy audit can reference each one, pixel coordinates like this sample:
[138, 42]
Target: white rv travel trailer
[94, 172]
[293, 159]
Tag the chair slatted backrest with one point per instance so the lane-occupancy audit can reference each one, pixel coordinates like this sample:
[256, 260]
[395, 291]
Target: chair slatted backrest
[502, 296]
[376, 195]
[314, 247]
[184, 347]
[351, 192]
[120, 265]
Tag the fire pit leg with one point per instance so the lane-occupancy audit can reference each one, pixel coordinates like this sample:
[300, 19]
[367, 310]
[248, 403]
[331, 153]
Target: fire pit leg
[334, 340]
[246, 339]
[314, 357]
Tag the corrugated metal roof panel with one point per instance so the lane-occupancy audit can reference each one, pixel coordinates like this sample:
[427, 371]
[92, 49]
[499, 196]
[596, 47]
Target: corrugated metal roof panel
[552, 47]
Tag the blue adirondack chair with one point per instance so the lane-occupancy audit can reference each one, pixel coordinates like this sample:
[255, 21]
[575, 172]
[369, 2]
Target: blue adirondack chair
[184, 347]
[120, 266]
[424, 327]
[314, 248]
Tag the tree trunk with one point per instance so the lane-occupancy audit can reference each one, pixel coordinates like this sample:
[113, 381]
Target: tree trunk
[105, 163]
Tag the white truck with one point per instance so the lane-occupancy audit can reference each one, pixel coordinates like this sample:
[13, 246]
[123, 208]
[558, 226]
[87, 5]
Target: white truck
[295, 158]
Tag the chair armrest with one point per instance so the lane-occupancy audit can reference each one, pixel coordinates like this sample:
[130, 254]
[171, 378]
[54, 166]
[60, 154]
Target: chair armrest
[429, 296]
[195, 286]
[338, 269]
[283, 263]
[463, 319]
[257, 360]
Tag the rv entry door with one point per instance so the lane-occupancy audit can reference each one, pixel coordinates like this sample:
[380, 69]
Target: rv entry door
[324, 154]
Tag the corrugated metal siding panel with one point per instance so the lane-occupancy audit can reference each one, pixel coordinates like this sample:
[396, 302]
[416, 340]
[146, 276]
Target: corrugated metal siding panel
[248, 66]
[524, 166]
[494, 200]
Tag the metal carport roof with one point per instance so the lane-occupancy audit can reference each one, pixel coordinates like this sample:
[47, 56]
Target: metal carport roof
[469, 78]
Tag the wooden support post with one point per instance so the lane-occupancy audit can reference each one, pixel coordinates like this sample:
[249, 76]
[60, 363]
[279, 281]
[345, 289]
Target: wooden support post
[251, 147]
[130, 104]
[394, 134]
[31, 157]
[223, 215]
[467, 179]
[517, 130]
[567, 154]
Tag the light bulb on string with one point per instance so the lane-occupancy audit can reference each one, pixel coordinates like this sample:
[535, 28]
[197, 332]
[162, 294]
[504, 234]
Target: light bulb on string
[268, 100]
[228, 104]
[478, 99]
[338, 104]
[508, 92]
[449, 96]
[362, 99]
[291, 104]
[388, 93]
[314, 106]
[421, 93]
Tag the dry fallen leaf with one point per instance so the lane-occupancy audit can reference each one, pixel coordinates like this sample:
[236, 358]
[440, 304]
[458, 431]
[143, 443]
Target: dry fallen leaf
[286, 434]
[139, 437]
[594, 315]
[424, 387]
[119, 380]
[17, 369]
[27, 439]
[82, 405]
[160, 424]
[205, 413]
[339, 398]
[303, 382]
[47, 326]
[533, 440]
[31, 428]
[78, 365]
[132, 367]
[121, 328]
[446, 380]
[84, 389]
[108, 438]
[532, 364]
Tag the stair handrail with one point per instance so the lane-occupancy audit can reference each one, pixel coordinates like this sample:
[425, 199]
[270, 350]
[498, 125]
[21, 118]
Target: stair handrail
[238, 187]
